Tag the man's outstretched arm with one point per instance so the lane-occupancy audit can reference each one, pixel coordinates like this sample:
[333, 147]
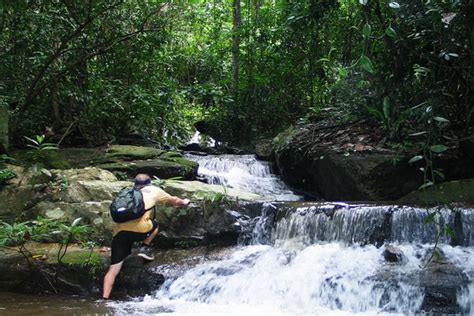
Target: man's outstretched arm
[176, 201]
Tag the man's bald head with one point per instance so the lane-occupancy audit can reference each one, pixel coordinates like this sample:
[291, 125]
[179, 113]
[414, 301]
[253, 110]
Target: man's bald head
[142, 180]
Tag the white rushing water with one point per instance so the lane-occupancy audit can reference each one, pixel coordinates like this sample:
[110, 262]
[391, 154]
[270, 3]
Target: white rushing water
[316, 260]
[243, 172]
[291, 279]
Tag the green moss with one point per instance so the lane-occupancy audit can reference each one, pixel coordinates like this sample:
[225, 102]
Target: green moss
[171, 154]
[281, 138]
[183, 161]
[83, 257]
[127, 152]
[448, 192]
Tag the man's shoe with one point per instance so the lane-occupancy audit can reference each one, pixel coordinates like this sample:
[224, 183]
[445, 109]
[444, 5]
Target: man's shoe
[146, 252]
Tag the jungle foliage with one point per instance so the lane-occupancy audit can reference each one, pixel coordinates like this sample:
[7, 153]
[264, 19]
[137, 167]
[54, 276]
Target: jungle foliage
[89, 71]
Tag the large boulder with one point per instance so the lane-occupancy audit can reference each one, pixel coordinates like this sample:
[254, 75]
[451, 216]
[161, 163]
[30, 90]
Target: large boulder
[3, 128]
[128, 152]
[87, 193]
[81, 272]
[340, 164]
[132, 160]
[162, 168]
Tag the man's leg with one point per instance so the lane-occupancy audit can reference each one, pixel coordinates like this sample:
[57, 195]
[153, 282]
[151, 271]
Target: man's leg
[147, 241]
[109, 278]
[146, 252]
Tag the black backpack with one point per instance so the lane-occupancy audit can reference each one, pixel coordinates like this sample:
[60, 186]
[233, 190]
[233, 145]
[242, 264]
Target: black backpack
[127, 205]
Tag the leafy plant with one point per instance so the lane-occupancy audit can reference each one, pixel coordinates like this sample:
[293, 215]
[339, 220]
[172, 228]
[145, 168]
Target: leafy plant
[43, 230]
[162, 182]
[39, 157]
[5, 174]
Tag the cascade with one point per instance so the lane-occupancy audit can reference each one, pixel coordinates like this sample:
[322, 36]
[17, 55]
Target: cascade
[323, 258]
[243, 172]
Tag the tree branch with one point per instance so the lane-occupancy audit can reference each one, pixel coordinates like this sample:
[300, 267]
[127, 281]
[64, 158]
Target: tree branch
[61, 50]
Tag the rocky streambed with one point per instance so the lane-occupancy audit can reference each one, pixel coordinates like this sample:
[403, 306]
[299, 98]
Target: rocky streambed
[244, 251]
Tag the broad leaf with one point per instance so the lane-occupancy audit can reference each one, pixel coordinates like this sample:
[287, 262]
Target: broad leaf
[438, 148]
[440, 119]
[449, 231]
[366, 30]
[76, 221]
[394, 5]
[389, 31]
[366, 64]
[426, 185]
[415, 158]
[430, 218]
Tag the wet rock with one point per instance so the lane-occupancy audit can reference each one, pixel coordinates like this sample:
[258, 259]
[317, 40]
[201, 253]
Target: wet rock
[442, 280]
[193, 147]
[81, 273]
[162, 168]
[393, 254]
[136, 278]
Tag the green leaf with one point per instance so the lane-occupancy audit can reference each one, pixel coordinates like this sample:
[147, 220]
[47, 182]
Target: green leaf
[438, 148]
[366, 30]
[46, 172]
[436, 254]
[31, 140]
[449, 231]
[389, 31]
[415, 158]
[418, 133]
[76, 221]
[366, 64]
[430, 218]
[427, 184]
[394, 5]
[439, 173]
[440, 119]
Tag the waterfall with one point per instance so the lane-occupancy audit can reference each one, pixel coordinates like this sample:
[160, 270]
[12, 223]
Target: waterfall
[323, 258]
[243, 172]
[301, 258]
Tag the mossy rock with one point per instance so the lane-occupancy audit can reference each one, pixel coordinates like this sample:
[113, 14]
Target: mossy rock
[199, 190]
[461, 191]
[171, 154]
[161, 168]
[83, 257]
[82, 157]
[52, 159]
[127, 152]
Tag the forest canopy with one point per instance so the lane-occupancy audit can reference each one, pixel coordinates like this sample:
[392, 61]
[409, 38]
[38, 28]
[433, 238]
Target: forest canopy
[238, 69]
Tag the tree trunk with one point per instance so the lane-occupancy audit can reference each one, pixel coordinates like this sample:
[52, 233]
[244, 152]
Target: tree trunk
[3, 128]
[235, 47]
[470, 30]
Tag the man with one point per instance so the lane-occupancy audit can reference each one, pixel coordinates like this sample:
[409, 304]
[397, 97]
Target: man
[142, 229]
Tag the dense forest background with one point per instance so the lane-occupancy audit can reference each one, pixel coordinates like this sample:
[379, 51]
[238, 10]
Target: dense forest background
[85, 72]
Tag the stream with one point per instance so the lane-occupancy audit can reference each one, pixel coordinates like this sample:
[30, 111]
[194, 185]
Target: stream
[314, 259]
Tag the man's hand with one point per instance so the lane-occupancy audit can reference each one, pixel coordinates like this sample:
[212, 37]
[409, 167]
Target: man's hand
[176, 201]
